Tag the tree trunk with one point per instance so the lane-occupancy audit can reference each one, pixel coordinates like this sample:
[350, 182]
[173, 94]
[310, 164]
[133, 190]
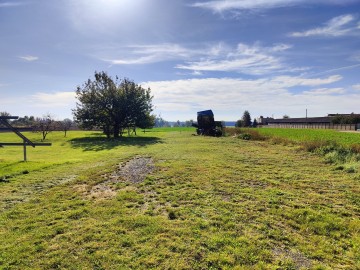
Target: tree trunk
[106, 130]
[116, 131]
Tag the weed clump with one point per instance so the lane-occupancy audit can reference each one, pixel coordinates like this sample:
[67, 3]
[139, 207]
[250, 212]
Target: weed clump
[245, 134]
[280, 141]
[334, 153]
[346, 158]
[320, 146]
[172, 215]
[5, 178]
[355, 148]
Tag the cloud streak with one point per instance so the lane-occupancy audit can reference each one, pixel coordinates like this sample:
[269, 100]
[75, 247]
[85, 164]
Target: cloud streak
[10, 4]
[325, 91]
[147, 54]
[220, 6]
[338, 26]
[247, 59]
[29, 58]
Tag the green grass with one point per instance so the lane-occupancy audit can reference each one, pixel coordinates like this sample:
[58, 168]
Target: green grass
[211, 203]
[341, 149]
[301, 135]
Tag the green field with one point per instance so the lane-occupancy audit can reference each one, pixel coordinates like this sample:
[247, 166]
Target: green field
[300, 135]
[205, 203]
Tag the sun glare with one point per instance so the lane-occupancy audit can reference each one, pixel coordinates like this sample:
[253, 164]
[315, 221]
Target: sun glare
[105, 15]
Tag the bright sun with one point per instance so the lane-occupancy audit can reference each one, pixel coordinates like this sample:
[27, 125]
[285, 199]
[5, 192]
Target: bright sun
[106, 15]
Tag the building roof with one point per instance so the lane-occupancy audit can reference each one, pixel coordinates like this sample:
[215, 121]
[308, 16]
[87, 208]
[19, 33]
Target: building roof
[307, 120]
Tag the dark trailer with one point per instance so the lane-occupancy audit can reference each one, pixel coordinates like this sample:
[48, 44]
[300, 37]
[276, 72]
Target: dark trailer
[206, 125]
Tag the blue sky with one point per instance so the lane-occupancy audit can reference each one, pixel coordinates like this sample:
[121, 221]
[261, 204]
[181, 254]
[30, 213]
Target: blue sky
[268, 57]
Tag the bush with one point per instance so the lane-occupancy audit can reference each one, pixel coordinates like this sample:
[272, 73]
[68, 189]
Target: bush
[355, 148]
[245, 134]
[321, 147]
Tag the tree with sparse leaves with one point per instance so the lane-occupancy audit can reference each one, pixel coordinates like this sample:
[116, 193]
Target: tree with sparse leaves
[44, 125]
[111, 105]
[65, 125]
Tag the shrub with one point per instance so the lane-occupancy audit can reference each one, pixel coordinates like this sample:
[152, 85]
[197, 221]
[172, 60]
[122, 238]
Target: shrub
[245, 133]
[355, 148]
[244, 136]
[321, 146]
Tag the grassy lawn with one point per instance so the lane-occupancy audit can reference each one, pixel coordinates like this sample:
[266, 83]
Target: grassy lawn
[210, 203]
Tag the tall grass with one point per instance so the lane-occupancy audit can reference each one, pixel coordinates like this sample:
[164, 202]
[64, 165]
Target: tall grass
[337, 148]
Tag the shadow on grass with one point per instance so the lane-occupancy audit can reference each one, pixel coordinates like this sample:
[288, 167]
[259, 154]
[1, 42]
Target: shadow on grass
[100, 143]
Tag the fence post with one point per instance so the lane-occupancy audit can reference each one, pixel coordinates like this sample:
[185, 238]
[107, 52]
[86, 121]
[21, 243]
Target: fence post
[24, 150]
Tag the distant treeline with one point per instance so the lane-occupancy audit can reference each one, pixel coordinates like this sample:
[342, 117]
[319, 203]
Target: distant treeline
[346, 119]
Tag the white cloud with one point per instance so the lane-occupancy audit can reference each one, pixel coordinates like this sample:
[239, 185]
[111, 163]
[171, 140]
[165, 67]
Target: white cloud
[221, 6]
[29, 58]
[51, 100]
[249, 59]
[229, 96]
[338, 69]
[254, 60]
[356, 87]
[58, 104]
[9, 4]
[325, 91]
[288, 81]
[147, 54]
[338, 26]
[197, 73]
[226, 5]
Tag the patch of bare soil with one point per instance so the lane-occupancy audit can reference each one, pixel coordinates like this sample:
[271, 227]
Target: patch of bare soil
[300, 260]
[134, 171]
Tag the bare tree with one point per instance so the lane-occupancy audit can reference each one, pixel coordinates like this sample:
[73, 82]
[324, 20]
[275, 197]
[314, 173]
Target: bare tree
[4, 114]
[65, 125]
[44, 125]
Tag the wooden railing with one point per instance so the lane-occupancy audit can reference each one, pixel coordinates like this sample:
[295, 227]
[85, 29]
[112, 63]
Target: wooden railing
[26, 142]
